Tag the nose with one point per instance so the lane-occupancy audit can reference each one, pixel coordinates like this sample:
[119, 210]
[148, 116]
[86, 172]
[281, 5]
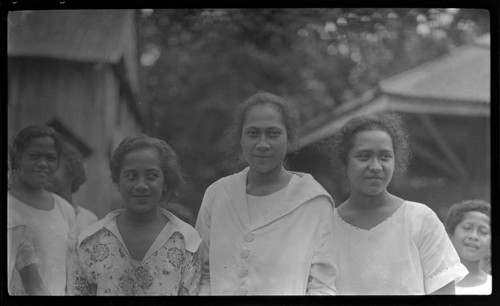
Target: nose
[473, 234]
[141, 185]
[375, 166]
[42, 162]
[263, 144]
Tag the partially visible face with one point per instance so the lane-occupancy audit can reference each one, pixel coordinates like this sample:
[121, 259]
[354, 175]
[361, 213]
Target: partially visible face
[38, 162]
[472, 237]
[141, 181]
[370, 162]
[264, 138]
[61, 180]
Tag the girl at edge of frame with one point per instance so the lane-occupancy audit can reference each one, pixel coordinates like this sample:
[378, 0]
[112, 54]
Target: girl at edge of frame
[468, 225]
[34, 157]
[141, 249]
[266, 230]
[386, 245]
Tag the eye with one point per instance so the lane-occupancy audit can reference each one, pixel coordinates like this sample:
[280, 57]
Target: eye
[153, 175]
[252, 133]
[363, 157]
[274, 133]
[52, 158]
[129, 176]
[386, 157]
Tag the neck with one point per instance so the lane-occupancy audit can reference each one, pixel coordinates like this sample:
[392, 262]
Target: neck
[18, 187]
[364, 202]
[268, 178]
[473, 267]
[136, 219]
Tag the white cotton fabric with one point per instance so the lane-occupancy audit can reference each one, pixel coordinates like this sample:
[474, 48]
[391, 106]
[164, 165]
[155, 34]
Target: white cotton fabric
[483, 289]
[21, 253]
[51, 239]
[407, 254]
[288, 251]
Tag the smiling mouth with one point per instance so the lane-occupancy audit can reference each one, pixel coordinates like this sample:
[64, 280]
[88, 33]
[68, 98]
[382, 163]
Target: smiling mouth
[471, 246]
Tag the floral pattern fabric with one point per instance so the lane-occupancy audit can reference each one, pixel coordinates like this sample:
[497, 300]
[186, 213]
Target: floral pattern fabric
[103, 266]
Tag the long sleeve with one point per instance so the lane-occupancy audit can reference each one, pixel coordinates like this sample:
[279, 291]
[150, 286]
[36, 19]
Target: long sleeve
[323, 271]
[190, 282]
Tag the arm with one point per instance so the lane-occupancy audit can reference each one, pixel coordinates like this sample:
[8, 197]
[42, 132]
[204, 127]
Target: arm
[32, 281]
[203, 228]
[439, 259]
[78, 283]
[190, 282]
[323, 270]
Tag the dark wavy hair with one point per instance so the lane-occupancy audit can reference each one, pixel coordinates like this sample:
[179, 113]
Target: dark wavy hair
[169, 162]
[73, 160]
[24, 137]
[457, 212]
[230, 143]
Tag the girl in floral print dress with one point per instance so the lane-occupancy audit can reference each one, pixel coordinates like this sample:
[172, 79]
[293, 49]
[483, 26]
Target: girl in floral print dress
[141, 249]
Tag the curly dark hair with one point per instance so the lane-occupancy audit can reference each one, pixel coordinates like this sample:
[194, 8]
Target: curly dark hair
[169, 162]
[457, 212]
[73, 160]
[230, 142]
[24, 137]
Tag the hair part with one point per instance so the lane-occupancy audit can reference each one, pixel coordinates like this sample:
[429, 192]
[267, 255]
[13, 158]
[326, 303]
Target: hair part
[457, 211]
[169, 163]
[289, 116]
[24, 138]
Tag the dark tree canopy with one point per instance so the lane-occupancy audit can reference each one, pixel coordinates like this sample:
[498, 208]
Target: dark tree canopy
[199, 64]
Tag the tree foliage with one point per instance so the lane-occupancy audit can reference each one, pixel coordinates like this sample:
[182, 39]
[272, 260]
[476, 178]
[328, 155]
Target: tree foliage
[199, 64]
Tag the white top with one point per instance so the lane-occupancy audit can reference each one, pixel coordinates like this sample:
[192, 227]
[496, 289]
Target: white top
[259, 206]
[84, 218]
[51, 238]
[484, 288]
[21, 253]
[407, 254]
[288, 251]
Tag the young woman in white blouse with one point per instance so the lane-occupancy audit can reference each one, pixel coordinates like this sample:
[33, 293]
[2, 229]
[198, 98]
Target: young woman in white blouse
[386, 245]
[266, 230]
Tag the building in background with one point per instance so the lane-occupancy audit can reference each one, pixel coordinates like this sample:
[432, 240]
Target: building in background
[77, 70]
[446, 107]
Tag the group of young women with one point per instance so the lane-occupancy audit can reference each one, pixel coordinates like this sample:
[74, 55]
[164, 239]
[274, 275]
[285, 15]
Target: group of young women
[265, 230]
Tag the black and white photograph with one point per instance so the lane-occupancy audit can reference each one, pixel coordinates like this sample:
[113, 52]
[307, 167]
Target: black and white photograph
[225, 151]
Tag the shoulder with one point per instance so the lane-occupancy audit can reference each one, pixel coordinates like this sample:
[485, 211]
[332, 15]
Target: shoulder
[87, 214]
[191, 236]
[95, 228]
[304, 188]
[415, 209]
[64, 205]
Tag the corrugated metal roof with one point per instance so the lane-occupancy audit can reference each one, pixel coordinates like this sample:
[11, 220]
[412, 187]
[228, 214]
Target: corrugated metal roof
[461, 75]
[85, 35]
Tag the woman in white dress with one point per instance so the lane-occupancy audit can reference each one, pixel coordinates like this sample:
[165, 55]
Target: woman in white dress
[386, 245]
[266, 230]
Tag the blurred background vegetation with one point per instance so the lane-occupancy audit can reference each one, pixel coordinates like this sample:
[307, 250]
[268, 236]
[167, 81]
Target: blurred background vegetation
[197, 65]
